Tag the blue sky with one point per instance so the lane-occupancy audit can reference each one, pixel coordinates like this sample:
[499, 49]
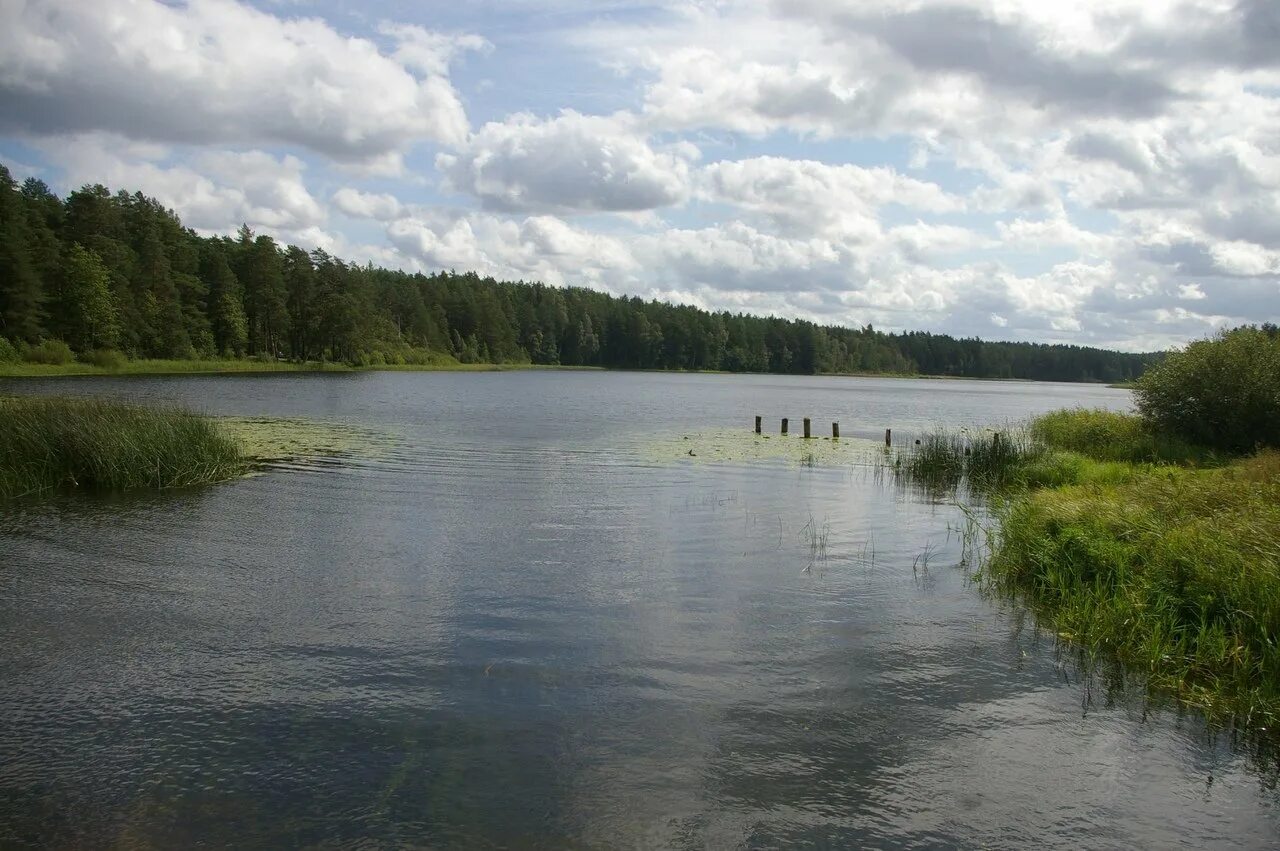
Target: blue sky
[1101, 173]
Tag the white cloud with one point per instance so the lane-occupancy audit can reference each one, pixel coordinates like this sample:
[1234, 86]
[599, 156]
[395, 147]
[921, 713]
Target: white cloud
[220, 71]
[214, 192]
[367, 205]
[568, 163]
[808, 196]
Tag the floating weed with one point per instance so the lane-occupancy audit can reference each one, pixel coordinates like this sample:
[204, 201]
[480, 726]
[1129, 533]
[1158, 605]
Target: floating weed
[740, 446]
[289, 441]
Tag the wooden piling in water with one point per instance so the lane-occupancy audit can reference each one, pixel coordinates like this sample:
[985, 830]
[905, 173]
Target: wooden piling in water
[835, 431]
[806, 428]
[758, 423]
[888, 437]
[784, 425]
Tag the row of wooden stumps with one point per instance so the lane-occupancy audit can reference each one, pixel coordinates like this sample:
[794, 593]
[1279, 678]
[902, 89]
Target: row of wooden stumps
[835, 430]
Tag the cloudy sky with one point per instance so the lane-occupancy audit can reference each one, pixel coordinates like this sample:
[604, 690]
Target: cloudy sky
[1102, 172]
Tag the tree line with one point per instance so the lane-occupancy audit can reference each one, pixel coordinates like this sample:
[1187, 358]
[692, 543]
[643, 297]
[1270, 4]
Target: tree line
[119, 272]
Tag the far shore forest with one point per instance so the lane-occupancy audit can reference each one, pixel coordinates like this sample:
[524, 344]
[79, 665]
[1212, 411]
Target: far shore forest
[103, 276]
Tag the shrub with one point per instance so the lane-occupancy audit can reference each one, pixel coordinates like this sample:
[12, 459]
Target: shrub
[8, 354]
[105, 358]
[1222, 393]
[53, 352]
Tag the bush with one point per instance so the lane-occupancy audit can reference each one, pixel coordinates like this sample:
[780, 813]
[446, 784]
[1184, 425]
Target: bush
[105, 358]
[53, 352]
[8, 354]
[1222, 393]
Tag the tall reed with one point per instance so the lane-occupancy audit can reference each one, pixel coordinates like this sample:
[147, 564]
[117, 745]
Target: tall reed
[48, 444]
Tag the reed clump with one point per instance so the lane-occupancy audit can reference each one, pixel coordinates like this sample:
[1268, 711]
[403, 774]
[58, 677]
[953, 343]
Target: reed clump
[49, 444]
[983, 461]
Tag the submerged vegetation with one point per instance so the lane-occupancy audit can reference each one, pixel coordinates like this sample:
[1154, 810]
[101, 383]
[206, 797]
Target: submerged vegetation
[50, 444]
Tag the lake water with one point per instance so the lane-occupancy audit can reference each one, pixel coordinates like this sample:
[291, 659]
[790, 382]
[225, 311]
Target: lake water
[517, 623]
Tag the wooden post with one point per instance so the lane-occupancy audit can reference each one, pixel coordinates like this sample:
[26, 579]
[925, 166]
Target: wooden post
[757, 423]
[835, 431]
[806, 428]
[784, 425]
[888, 437]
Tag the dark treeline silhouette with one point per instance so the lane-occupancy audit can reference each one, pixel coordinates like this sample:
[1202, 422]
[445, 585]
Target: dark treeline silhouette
[102, 271]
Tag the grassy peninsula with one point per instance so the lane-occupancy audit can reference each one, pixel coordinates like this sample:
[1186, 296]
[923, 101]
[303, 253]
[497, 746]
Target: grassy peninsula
[1153, 538]
[53, 444]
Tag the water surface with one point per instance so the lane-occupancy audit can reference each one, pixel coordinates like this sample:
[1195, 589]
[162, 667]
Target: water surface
[511, 625]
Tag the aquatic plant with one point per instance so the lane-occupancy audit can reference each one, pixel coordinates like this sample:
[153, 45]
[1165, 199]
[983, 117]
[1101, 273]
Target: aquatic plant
[943, 461]
[48, 444]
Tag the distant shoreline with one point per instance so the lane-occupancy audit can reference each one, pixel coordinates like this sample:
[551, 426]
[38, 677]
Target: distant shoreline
[249, 367]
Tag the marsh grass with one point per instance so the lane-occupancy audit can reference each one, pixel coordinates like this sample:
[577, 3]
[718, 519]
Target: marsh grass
[1113, 436]
[948, 461]
[1176, 572]
[1068, 447]
[50, 444]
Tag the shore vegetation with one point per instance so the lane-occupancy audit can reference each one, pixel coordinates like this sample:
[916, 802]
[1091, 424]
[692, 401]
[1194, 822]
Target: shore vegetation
[1152, 537]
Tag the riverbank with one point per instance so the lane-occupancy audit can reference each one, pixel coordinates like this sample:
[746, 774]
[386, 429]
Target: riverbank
[1133, 546]
[244, 367]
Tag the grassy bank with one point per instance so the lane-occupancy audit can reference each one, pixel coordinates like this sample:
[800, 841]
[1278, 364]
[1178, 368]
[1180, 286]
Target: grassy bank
[1131, 543]
[1175, 571]
[214, 367]
[51, 444]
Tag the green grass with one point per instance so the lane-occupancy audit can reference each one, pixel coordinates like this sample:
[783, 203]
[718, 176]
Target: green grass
[1174, 571]
[1113, 436]
[200, 367]
[51, 444]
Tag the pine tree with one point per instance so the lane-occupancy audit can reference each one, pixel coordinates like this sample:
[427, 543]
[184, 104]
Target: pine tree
[21, 294]
[154, 285]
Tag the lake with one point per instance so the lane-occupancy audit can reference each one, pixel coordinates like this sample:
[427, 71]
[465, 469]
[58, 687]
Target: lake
[522, 615]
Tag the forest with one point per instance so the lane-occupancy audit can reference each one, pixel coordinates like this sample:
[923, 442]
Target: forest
[99, 273]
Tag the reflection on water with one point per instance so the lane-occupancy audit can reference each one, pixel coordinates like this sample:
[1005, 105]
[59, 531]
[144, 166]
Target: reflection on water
[514, 627]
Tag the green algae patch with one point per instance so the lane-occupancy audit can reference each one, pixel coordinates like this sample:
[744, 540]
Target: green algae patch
[736, 446]
[274, 441]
